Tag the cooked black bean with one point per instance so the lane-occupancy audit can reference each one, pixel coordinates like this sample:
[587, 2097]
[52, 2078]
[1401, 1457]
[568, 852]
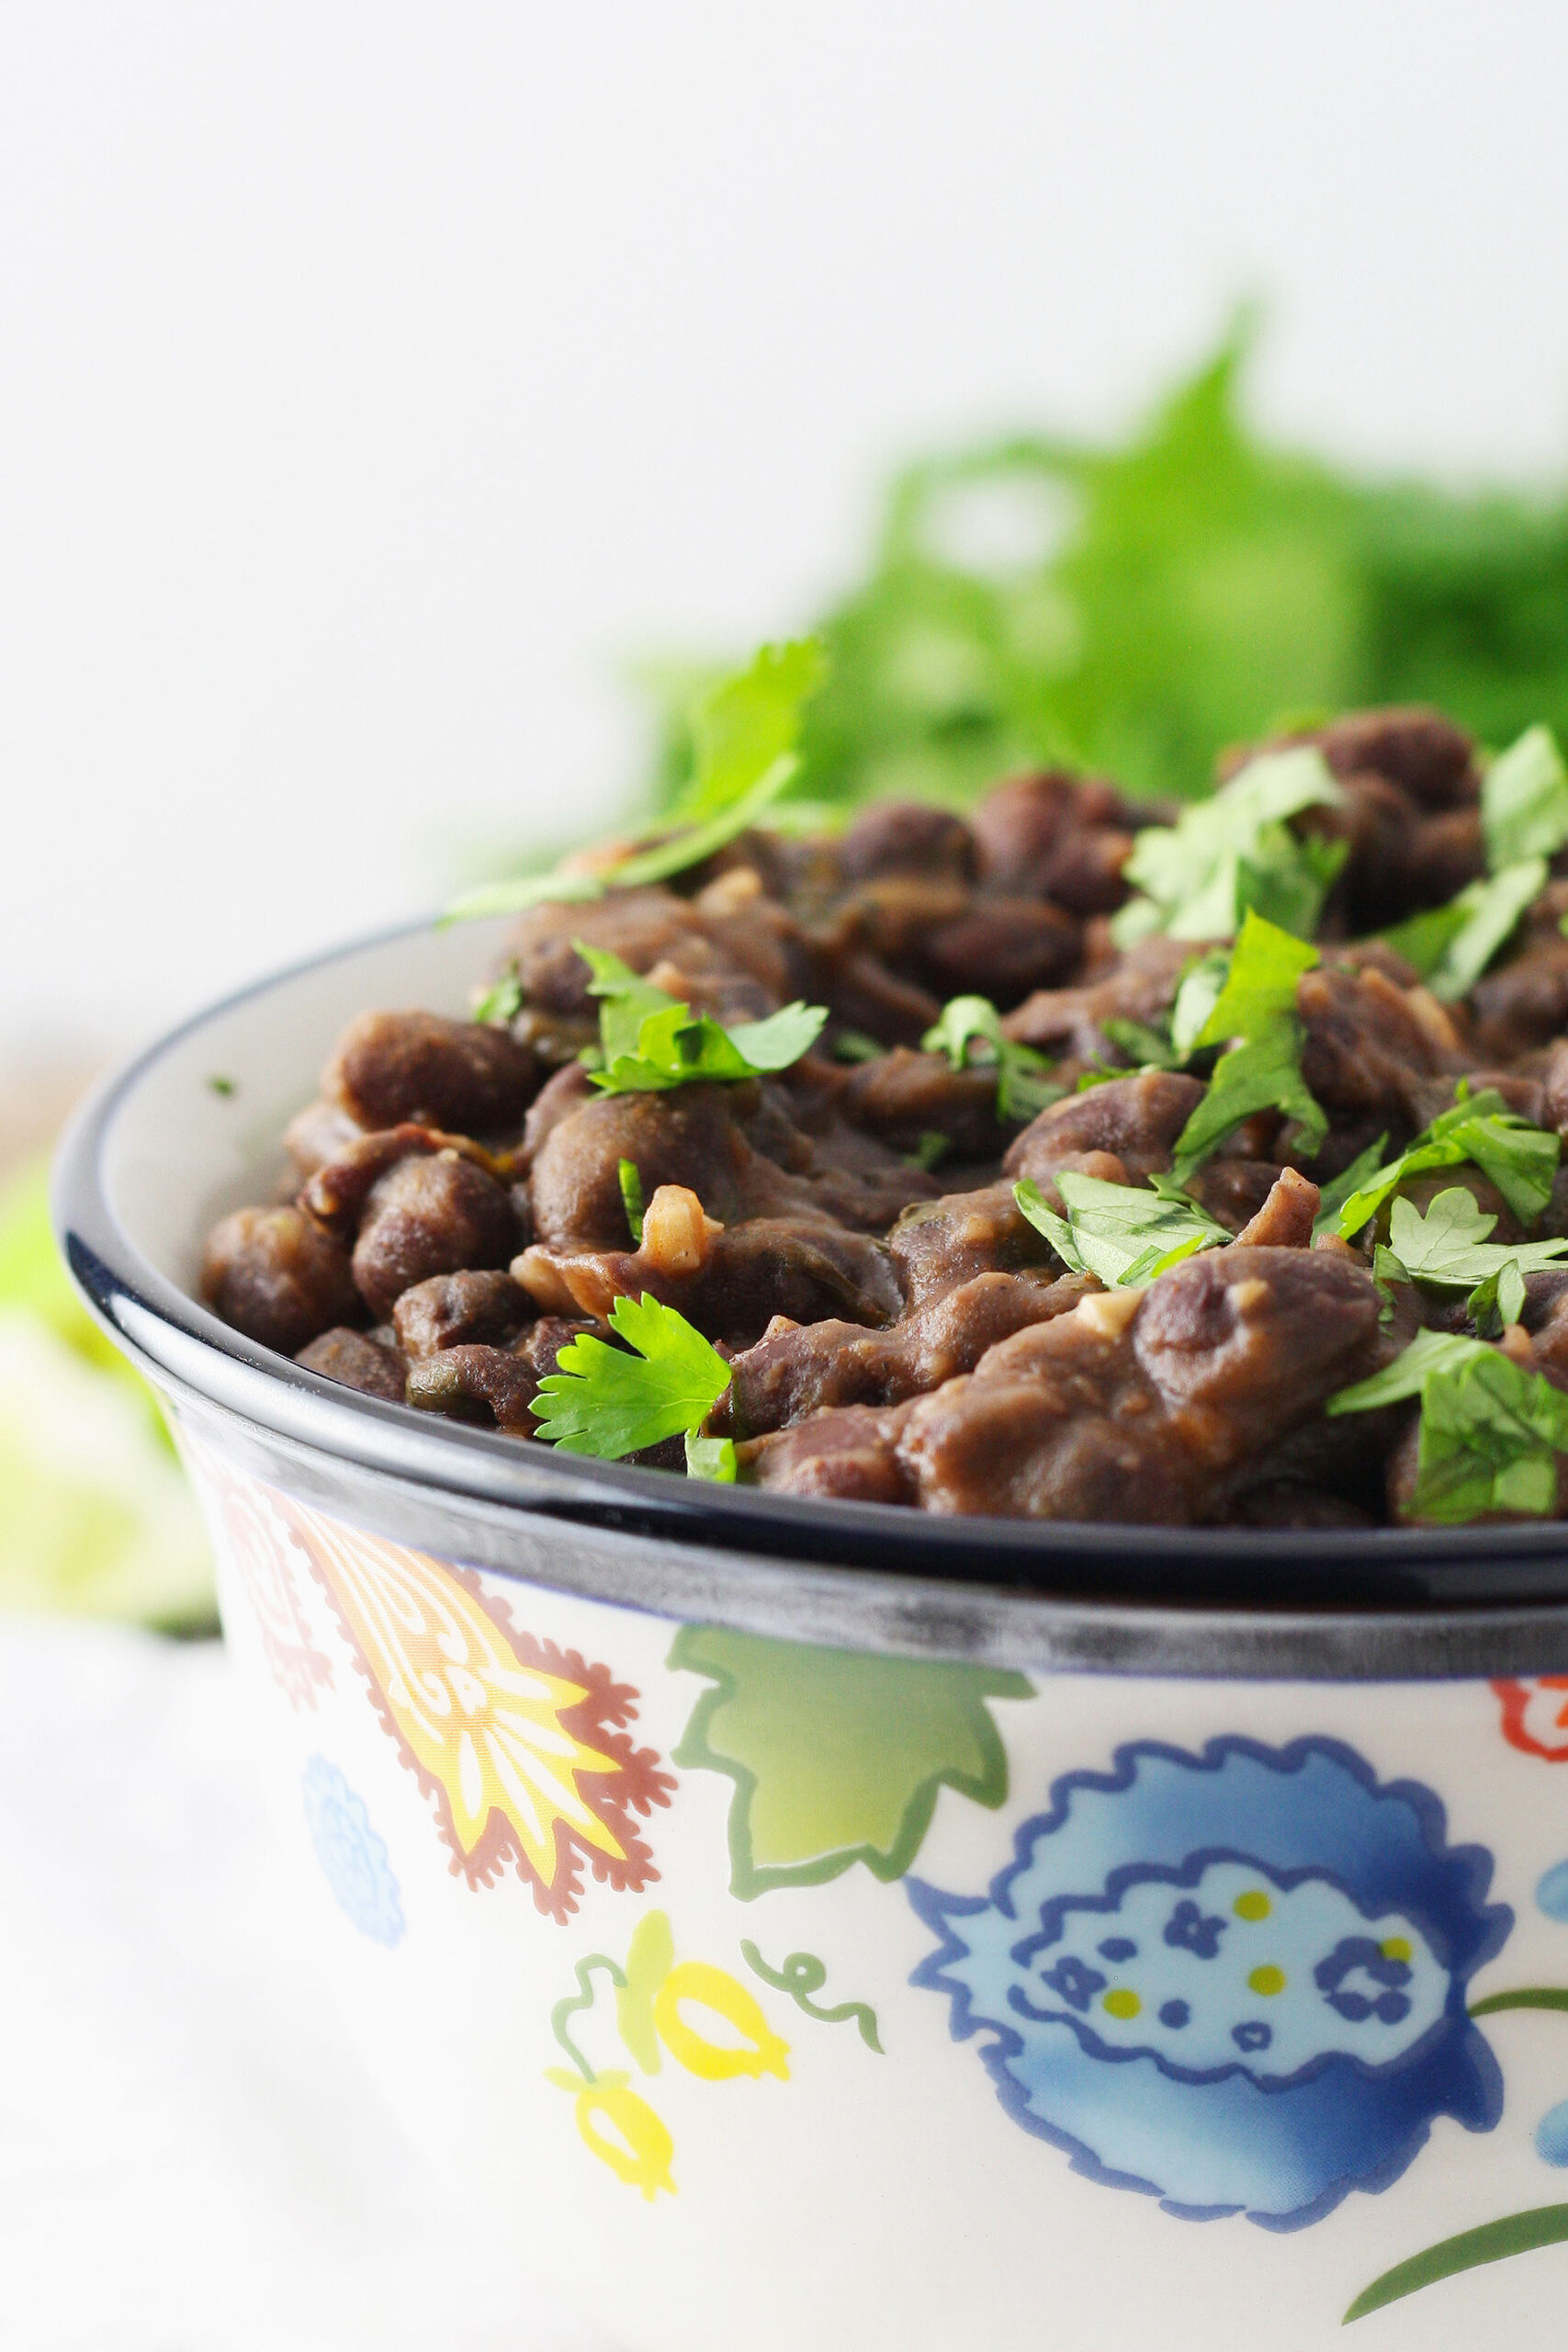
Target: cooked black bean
[429, 1215]
[278, 1276]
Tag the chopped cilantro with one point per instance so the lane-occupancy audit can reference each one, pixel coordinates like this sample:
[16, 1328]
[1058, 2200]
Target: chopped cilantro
[1022, 1087]
[1150, 1048]
[711, 1457]
[501, 1002]
[1490, 1430]
[604, 1401]
[632, 1200]
[931, 1147]
[854, 1046]
[1520, 1160]
[1234, 853]
[1261, 1070]
[1524, 800]
[1333, 1195]
[222, 1085]
[1497, 1302]
[1123, 1233]
[650, 1041]
[744, 731]
[1452, 946]
[1449, 1248]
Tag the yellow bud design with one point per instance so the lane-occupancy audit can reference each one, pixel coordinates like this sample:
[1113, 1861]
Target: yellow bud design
[760, 2051]
[634, 2143]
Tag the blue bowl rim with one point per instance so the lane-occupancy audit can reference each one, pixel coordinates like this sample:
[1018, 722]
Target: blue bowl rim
[1493, 1567]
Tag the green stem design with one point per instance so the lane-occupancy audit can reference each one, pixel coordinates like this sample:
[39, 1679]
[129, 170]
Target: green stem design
[802, 1974]
[1528, 1997]
[1493, 2242]
[584, 1999]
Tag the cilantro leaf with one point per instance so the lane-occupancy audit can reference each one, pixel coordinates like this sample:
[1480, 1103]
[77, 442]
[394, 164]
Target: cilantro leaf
[1490, 1430]
[744, 726]
[1234, 852]
[1497, 1302]
[1261, 1071]
[711, 1457]
[1429, 1352]
[500, 1002]
[602, 1401]
[778, 1042]
[651, 1041]
[744, 732]
[1333, 1194]
[1524, 800]
[1150, 1048]
[854, 1046]
[1520, 1160]
[1452, 946]
[1448, 1247]
[1022, 1087]
[631, 1176]
[1122, 1233]
[1491, 1433]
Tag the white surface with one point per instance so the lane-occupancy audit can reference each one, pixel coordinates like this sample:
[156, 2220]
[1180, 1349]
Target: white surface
[377, 378]
[189, 2161]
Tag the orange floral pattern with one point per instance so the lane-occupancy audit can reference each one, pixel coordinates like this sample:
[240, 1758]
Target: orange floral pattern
[520, 1746]
[1535, 1714]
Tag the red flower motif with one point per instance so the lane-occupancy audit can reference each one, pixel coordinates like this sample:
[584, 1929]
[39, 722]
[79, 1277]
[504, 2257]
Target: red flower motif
[1535, 1714]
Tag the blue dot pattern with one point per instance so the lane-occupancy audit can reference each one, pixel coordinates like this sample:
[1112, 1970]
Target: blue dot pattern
[1551, 2134]
[1551, 1893]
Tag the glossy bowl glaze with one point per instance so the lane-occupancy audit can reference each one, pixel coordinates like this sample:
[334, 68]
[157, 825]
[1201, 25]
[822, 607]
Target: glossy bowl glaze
[826, 1925]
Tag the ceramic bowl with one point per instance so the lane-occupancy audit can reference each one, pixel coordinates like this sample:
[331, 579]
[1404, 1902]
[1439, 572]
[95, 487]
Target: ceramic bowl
[819, 1926]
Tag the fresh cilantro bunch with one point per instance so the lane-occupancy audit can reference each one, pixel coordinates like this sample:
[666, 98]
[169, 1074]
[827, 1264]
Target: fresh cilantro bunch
[1524, 815]
[1122, 1233]
[1252, 1012]
[650, 1041]
[1022, 1087]
[1490, 1434]
[1447, 1248]
[744, 732]
[608, 1402]
[1234, 853]
[1520, 1160]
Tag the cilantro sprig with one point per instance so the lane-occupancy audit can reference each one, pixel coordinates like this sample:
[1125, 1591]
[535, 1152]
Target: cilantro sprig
[1234, 852]
[1123, 1233]
[651, 1041]
[1490, 1430]
[1520, 1160]
[745, 731]
[608, 1402]
[1253, 1014]
[967, 1023]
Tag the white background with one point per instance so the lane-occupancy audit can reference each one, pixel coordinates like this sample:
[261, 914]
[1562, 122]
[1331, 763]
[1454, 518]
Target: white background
[375, 379]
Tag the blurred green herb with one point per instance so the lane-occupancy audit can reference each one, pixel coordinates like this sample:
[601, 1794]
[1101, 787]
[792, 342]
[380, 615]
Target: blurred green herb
[631, 1198]
[1023, 1086]
[1132, 609]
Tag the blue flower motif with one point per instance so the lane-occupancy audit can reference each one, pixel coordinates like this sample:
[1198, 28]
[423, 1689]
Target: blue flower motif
[1282, 1948]
[352, 1857]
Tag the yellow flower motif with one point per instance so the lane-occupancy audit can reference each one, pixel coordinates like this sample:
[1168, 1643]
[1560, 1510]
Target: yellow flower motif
[760, 2052]
[634, 2146]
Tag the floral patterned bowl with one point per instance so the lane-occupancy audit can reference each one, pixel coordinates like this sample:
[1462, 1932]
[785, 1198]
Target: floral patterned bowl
[817, 1926]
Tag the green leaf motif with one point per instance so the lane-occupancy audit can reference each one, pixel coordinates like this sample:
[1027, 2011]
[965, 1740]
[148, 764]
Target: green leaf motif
[837, 1756]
